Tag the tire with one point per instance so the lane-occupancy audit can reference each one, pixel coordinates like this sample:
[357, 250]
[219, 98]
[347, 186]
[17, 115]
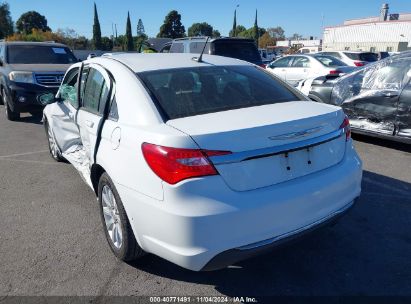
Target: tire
[10, 115]
[115, 222]
[53, 147]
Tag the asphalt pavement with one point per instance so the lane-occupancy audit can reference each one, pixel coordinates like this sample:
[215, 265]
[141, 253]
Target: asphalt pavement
[52, 240]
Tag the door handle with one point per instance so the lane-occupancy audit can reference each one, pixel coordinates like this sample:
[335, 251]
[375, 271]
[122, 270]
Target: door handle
[89, 123]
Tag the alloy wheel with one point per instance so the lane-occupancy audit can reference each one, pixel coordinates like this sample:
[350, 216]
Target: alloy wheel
[112, 217]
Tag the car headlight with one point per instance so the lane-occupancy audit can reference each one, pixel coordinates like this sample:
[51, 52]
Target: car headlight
[18, 76]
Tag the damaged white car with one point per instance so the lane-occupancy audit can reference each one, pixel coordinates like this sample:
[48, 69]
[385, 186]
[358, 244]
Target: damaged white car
[201, 162]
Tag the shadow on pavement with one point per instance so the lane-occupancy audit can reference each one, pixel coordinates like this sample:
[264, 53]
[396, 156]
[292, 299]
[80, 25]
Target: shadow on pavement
[383, 142]
[366, 253]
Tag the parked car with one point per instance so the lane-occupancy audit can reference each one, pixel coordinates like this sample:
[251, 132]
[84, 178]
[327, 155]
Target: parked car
[240, 48]
[308, 50]
[353, 58]
[28, 70]
[201, 162]
[377, 98]
[295, 68]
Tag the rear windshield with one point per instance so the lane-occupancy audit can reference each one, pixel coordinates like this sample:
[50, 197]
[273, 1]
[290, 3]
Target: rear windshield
[39, 54]
[369, 57]
[329, 61]
[199, 90]
[246, 51]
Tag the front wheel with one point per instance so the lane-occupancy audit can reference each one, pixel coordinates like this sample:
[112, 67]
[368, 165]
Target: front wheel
[10, 114]
[117, 227]
[53, 147]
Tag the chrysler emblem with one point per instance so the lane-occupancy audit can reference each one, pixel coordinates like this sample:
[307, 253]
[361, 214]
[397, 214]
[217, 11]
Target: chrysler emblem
[299, 134]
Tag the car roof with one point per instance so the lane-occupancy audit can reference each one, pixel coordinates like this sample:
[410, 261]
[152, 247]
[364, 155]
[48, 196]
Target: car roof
[35, 43]
[214, 39]
[142, 62]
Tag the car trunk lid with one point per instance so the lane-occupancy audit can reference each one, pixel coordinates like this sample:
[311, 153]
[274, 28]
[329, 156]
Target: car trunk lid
[269, 144]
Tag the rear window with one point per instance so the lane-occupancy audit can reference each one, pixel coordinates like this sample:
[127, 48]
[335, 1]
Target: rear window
[329, 61]
[246, 51]
[39, 54]
[200, 90]
[369, 57]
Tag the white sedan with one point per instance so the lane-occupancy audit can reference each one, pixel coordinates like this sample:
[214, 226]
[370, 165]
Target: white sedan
[202, 163]
[296, 68]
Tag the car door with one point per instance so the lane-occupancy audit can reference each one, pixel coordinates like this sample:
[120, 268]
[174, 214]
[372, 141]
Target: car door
[298, 70]
[96, 90]
[404, 105]
[374, 109]
[62, 114]
[280, 67]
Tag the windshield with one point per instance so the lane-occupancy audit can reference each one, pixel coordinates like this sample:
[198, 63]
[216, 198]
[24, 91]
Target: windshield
[200, 90]
[246, 51]
[329, 61]
[369, 57]
[39, 54]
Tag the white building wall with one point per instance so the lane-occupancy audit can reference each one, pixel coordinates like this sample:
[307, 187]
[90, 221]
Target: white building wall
[365, 36]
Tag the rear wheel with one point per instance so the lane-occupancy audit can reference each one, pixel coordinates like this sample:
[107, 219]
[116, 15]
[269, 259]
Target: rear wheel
[117, 227]
[53, 147]
[10, 114]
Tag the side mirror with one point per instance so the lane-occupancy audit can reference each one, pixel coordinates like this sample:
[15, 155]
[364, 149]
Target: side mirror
[47, 98]
[272, 66]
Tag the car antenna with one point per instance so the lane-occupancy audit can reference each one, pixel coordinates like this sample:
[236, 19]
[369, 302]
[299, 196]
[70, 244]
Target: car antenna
[200, 59]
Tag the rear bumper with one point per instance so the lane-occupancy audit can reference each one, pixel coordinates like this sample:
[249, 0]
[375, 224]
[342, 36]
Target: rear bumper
[232, 256]
[200, 219]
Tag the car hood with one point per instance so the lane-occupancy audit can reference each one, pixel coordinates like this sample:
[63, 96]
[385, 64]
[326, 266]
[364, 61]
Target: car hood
[40, 67]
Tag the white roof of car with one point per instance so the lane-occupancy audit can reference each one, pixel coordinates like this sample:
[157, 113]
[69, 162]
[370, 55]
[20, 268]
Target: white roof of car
[142, 62]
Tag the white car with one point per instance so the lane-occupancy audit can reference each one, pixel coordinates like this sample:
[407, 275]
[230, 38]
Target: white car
[296, 68]
[201, 162]
[353, 58]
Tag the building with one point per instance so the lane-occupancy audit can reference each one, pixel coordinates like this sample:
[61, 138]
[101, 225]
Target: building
[387, 32]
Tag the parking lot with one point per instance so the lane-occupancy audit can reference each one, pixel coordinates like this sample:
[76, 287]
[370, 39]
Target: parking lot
[52, 241]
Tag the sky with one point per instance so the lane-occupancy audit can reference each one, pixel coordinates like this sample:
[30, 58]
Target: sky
[305, 17]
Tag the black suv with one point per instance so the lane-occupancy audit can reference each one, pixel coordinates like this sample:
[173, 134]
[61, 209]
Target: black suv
[29, 70]
[244, 49]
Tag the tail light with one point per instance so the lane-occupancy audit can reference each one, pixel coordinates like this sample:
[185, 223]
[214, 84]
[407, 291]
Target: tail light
[359, 63]
[335, 72]
[173, 165]
[347, 128]
[262, 65]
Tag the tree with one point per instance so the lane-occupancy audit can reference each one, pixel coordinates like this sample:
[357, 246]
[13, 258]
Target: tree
[233, 32]
[32, 20]
[106, 44]
[256, 33]
[239, 29]
[172, 27]
[200, 29]
[296, 37]
[96, 31]
[266, 40]
[249, 33]
[6, 23]
[216, 34]
[276, 33]
[140, 28]
[129, 44]
[139, 41]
